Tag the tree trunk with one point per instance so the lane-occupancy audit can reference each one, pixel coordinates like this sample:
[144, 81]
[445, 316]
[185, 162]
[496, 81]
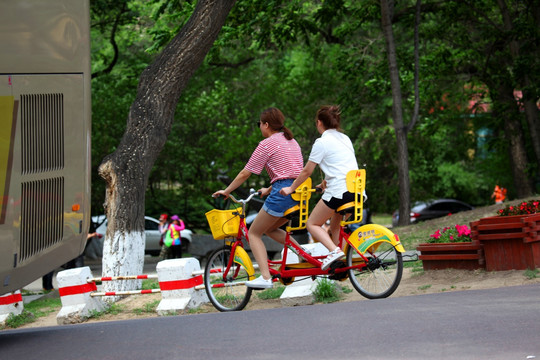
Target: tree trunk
[529, 102]
[149, 122]
[397, 114]
[505, 107]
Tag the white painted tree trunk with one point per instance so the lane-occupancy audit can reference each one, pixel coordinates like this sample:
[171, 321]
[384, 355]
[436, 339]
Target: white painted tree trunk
[123, 254]
[150, 119]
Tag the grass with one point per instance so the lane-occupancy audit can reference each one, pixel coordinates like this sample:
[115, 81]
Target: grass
[148, 308]
[382, 219]
[150, 284]
[113, 309]
[531, 274]
[326, 291]
[33, 311]
[273, 293]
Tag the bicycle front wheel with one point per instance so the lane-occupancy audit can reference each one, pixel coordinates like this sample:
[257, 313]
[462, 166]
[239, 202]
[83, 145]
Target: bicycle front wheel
[380, 277]
[225, 286]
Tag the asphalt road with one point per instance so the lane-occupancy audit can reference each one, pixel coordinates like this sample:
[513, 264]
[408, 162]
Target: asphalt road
[490, 324]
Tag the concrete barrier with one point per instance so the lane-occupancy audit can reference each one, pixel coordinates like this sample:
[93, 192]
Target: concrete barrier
[75, 290]
[177, 284]
[10, 303]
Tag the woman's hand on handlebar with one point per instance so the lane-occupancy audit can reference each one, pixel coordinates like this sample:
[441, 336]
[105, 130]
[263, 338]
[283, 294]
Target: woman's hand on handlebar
[264, 191]
[220, 193]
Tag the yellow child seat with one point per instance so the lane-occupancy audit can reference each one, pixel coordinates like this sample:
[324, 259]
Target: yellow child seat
[356, 183]
[302, 195]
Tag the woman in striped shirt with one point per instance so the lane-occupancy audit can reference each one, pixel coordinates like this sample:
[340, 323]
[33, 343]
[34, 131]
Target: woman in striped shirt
[282, 158]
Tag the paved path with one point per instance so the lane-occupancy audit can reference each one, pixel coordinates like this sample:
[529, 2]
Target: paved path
[489, 324]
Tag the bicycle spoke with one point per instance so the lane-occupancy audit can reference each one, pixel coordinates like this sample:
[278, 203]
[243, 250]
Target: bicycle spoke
[225, 286]
[380, 277]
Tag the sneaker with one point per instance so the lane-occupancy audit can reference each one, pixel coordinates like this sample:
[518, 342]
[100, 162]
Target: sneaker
[260, 283]
[334, 255]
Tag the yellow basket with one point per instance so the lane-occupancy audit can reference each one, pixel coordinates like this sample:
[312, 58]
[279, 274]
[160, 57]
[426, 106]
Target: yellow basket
[224, 223]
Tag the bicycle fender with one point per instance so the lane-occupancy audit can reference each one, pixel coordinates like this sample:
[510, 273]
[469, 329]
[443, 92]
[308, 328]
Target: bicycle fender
[371, 234]
[242, 258]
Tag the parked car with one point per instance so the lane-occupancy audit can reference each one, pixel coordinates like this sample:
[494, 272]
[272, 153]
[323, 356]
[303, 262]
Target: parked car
[425, 210]
[151, 228]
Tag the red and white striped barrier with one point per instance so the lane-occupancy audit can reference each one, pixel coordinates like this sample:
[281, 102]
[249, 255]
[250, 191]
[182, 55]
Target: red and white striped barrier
[177, 281]
[10, 303]
[75, 294]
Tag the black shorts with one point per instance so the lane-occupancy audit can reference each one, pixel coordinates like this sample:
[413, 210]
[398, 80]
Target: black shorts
[335, 203]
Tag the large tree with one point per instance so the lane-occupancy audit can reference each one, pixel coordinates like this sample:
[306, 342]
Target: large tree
[149, 122]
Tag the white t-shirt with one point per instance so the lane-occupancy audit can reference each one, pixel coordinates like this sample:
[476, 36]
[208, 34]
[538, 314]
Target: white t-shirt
[334, 153]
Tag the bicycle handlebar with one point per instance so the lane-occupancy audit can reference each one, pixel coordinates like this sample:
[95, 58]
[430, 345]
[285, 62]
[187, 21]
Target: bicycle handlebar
[252, 193]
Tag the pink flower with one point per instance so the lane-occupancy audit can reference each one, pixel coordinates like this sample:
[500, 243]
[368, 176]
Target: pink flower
[463, 230]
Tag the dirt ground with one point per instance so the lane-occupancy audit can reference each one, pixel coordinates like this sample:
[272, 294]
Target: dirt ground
[412, 284]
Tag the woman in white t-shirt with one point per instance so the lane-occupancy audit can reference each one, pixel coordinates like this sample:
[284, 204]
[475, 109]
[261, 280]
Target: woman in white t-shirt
[334, 153]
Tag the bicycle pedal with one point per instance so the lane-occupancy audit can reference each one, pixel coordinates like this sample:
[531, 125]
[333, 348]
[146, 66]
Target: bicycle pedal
[332, 270]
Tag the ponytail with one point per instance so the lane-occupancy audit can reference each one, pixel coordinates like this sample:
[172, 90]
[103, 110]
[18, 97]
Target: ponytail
[330, 116]
[288, 133]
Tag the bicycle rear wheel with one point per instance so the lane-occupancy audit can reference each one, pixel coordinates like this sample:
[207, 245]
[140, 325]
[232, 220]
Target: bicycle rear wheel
[226, 288]
[380, 277]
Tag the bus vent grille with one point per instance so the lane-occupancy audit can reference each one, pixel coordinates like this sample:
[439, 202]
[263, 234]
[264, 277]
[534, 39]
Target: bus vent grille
[42, 215]
[42, 132]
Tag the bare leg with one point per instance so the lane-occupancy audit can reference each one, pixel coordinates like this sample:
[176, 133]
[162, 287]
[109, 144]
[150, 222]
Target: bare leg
[335, 225]
[264, 223]
[316, 219]
[279, 235]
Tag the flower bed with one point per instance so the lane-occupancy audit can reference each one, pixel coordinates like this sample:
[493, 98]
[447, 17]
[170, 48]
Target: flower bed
[464, 255]
[452, 248]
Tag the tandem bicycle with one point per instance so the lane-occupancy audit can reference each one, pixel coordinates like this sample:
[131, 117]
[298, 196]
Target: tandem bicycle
[373, 262]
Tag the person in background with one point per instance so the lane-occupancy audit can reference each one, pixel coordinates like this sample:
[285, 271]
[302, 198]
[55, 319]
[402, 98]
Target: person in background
[499, 193]
[173, 238]
[334, 153]
[163, 228]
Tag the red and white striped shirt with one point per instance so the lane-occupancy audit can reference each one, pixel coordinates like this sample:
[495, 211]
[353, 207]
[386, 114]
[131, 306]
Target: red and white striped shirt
[281, 158]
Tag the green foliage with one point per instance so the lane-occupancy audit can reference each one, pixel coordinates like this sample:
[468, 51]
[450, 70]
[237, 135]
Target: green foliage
[531, 274]
[113, 309]
[297, 55]
[150, 284]
[33, 311]
[273, 293]
[149, 307]
[326, 291]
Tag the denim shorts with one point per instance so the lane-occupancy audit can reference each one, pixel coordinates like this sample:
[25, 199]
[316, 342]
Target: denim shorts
[276, 204]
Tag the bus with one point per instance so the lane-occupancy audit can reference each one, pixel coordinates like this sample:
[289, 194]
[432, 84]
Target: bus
[45, 128]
